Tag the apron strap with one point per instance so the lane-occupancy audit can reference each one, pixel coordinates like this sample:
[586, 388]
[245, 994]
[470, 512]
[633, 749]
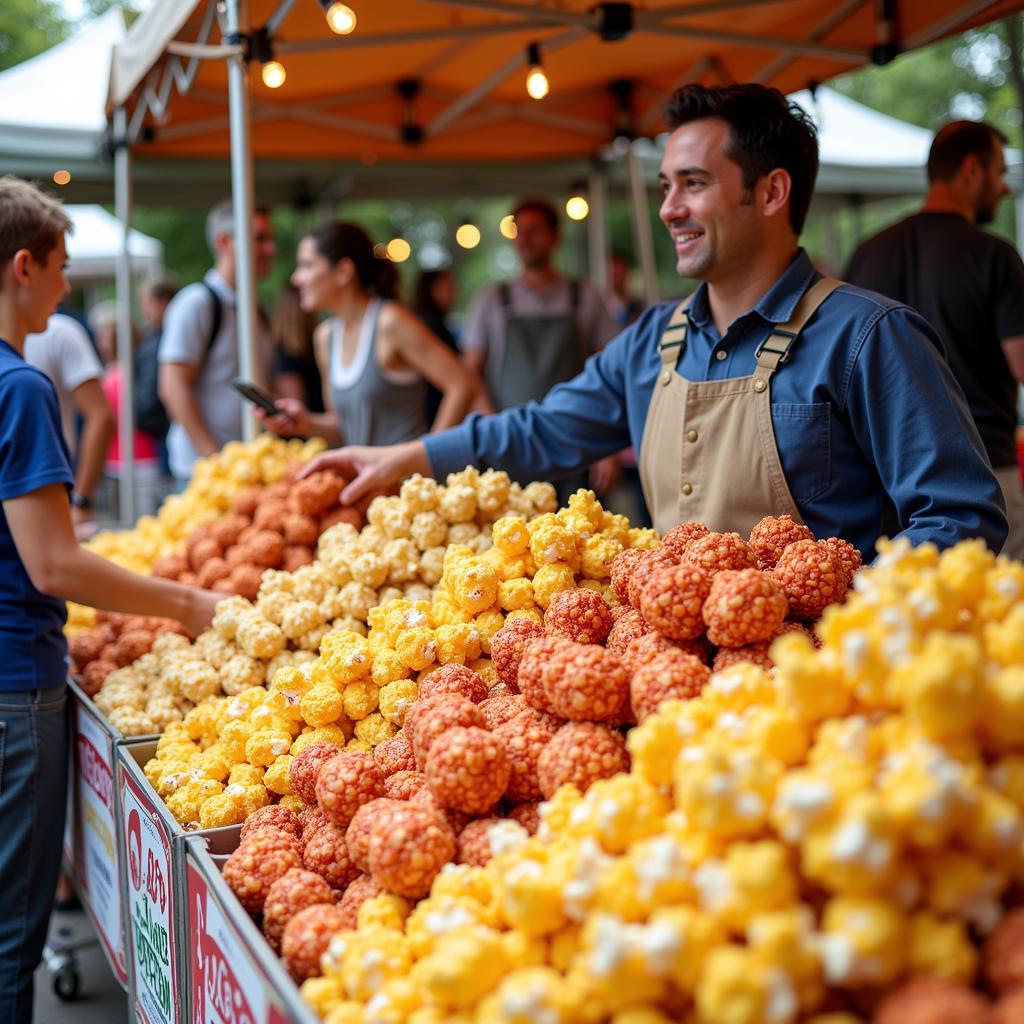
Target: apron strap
[775, 349]
[673, 341]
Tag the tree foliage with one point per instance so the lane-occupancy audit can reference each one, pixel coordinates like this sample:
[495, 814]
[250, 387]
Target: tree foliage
[966, 76]
[27, 27]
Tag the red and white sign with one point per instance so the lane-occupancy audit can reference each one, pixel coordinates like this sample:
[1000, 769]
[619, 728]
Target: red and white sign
[226, 988]
[97, 855]
[150, 909]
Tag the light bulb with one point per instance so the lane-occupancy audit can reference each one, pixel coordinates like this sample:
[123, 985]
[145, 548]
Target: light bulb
[508, 226]
[274, 74]
[62, 177]
[577, 208]
[399, 250]
[341, 19]
[468, 236]
[537, 83]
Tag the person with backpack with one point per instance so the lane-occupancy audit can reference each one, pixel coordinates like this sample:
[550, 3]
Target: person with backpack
[155, 294]
[198, 350]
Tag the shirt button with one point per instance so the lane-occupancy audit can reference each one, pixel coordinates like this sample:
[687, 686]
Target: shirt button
[760, 384]
[687, 489]
[691, 435]
[720, 354]
[666, 376]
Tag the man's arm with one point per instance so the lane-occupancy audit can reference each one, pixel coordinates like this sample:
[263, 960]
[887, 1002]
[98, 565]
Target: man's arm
[97, 431]
[177, 392]
[912, 422]
[183, 349]
[1013, 349]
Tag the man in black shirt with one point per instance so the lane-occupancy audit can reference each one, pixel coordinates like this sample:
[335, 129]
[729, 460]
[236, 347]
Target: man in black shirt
[969, 285]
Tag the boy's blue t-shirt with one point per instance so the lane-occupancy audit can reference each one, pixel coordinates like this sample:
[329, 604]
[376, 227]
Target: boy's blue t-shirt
[33, 651]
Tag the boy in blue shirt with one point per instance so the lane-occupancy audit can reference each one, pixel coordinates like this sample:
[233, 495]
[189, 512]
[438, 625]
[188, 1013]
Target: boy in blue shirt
[42, 566]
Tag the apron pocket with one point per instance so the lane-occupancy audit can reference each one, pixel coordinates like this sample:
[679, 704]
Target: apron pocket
[802, 437]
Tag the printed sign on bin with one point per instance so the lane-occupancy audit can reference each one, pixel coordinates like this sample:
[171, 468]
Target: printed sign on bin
[226, 988]
[98, 865]
[150, 910]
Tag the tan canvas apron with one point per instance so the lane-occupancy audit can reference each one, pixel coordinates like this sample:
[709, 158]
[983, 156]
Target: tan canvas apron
[708, 452]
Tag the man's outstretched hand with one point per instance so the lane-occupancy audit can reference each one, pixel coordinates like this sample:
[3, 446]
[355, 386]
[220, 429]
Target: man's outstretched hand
[371, 469]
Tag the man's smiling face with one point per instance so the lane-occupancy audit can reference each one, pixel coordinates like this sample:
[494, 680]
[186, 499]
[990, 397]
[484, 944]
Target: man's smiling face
[710, 216]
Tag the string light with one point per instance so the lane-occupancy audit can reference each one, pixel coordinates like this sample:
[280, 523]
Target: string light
[468, 236]
[274, 74]
[341, 19]
[62, 177]
[537, 85]
[398, 250]
[577, 208]
[507, 226]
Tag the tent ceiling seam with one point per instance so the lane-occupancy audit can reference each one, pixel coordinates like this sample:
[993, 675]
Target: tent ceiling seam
[407, 37]
[468, 100]
[822, 29]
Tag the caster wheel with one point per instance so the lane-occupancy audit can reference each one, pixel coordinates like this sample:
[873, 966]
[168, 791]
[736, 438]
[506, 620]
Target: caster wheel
[65, 984]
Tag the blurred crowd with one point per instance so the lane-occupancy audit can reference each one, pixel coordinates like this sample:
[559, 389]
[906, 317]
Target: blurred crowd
[339, 355]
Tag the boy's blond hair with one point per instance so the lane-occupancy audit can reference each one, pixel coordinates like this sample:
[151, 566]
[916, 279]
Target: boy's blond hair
[29, 219]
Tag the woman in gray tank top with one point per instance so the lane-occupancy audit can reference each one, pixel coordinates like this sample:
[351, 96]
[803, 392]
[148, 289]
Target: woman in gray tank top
[375, 357]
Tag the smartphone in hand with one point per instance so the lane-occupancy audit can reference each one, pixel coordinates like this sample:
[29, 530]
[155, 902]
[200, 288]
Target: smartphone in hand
[258, 397]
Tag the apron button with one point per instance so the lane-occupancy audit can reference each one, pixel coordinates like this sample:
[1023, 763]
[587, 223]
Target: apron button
[692, 435]
[760, 384]
[687, 489]
[666, 376]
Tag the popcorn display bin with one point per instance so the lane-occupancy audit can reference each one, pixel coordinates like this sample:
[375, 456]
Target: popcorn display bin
[152, 863]
[232, 973]
[92, 850]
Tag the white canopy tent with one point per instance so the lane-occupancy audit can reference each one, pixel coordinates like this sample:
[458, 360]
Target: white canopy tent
[94, 245]
[53, 106]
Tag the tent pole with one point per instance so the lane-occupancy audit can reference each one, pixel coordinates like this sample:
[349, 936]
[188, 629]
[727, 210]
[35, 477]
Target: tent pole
[125, 349]
[1018, 209]
[597, 225]
[642, 226]
[242, 198]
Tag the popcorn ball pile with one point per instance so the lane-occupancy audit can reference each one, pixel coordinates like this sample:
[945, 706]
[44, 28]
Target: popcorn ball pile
[115, 641]
[275, 527]
[215, 482]
[352, 690]
[699, 588]
[837, 840]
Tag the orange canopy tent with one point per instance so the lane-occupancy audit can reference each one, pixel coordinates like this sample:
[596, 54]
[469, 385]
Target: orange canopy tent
[443, 81]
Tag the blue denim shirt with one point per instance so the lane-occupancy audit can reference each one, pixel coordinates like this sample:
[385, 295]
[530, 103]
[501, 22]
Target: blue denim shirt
[873, 432]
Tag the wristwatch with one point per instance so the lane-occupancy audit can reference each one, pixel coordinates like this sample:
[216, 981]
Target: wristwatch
[80, 500]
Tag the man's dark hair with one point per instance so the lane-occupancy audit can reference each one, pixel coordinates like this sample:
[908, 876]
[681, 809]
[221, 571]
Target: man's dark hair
[766, 131]
[541, 206]
[956, 141]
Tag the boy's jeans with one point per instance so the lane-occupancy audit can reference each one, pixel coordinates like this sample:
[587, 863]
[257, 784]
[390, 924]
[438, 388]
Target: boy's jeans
[33, 795]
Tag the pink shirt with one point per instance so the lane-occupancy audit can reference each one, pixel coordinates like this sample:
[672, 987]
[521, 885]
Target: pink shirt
[145, 447]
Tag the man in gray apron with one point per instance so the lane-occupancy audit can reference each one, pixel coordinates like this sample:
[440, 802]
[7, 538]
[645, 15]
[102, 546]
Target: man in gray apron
[773, 390]
[525, 336]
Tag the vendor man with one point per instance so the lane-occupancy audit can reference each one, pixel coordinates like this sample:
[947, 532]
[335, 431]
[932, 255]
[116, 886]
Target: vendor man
[772, 391]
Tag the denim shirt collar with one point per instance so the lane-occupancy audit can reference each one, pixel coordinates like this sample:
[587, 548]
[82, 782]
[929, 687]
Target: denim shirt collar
[777, 304]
